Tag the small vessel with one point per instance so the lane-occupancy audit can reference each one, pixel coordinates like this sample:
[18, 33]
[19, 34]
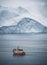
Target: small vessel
[18, 51]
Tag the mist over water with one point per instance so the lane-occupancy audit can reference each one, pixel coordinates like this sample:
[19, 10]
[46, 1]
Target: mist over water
[35, 46]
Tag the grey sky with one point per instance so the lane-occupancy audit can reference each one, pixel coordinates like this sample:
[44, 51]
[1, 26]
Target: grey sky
[37, 8]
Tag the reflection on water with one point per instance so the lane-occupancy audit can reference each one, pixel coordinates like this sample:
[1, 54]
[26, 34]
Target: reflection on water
[35, 47]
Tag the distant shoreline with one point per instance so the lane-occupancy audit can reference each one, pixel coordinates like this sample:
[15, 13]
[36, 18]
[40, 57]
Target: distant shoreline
[23, 33]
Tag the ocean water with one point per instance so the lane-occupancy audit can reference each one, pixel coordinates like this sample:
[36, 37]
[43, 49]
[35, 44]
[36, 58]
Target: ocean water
[35, 46]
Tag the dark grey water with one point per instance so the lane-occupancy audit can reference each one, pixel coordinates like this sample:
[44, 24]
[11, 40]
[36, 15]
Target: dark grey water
[35, 47]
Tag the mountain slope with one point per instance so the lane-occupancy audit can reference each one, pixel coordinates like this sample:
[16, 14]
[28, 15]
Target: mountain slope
[6, 13]
[26, 25]
[30, 25]
[45, 30]
[12, 15]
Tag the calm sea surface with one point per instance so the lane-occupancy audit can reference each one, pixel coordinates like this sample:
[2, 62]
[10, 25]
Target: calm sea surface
[35, 47]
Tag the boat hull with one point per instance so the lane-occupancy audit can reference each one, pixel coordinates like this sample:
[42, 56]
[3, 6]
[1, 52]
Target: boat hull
[21, 53]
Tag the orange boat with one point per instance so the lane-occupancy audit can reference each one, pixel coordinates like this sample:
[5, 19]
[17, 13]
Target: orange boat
[18, 51]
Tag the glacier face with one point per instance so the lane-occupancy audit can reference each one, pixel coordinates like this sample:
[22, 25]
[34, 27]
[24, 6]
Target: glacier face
[26, 25]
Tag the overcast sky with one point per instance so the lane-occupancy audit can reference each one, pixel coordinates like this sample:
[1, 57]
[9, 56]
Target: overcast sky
[37, 8]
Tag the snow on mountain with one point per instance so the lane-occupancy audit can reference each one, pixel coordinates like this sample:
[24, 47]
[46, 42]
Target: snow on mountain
[12, 14]
[6, 14]
[18, 20]
[21, 10]
[45, 29]
[26, 25]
